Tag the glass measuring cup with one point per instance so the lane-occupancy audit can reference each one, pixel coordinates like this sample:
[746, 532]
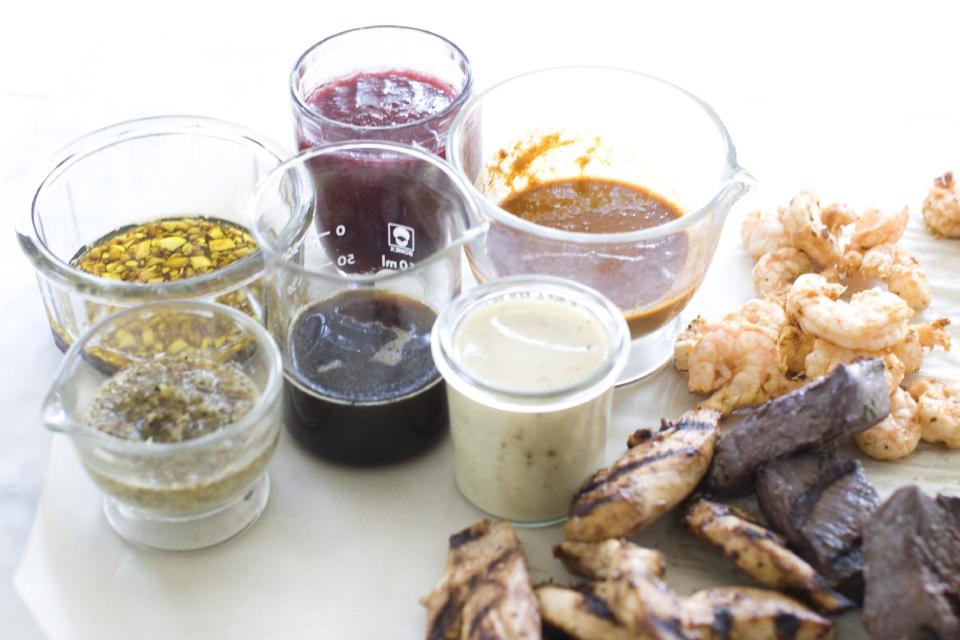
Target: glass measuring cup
[618, 127]
[174, 495]
[362, 248]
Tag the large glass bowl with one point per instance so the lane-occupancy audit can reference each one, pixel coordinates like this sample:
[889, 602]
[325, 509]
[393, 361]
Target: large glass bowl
[175, 495]
[137, 172]
[615, 125]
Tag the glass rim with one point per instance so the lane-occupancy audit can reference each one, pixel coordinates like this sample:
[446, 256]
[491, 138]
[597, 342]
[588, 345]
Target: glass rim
[734, 176]
[455, 104]
[267, 397]
[566, 290]
[298, 162]
[52, 266]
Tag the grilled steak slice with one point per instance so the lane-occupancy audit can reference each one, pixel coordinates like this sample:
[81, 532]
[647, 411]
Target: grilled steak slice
[761, 554]
[593, 559]
[742, 613]
[853, 397]
[484, 592]
[911, 553]
[821, 504]
[582, 612]
[649, 480]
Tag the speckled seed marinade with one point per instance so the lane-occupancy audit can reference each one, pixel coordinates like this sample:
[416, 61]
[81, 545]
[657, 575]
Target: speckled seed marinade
[525, 466]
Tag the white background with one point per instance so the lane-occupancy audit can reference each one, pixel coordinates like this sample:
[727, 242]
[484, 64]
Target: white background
[860, 101]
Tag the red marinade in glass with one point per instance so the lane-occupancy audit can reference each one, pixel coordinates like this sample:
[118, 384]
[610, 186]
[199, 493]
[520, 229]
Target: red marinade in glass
[391, 98]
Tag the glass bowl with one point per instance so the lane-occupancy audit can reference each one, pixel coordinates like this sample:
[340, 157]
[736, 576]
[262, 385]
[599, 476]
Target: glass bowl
[136, 172]
[611, 125]
[175, 495]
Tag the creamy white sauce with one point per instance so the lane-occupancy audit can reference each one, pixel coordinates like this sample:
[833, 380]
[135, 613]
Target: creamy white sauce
[525, 466]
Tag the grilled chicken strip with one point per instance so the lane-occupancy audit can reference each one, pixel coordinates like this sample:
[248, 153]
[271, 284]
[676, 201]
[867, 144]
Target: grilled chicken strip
[641, 601]
[742, 613]
[656, 474]
[582, 612]
[484, 592]
[761, 554]
[593, 559]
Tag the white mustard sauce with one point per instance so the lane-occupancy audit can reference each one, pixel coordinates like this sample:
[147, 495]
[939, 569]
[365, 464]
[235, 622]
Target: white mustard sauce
[525, 466]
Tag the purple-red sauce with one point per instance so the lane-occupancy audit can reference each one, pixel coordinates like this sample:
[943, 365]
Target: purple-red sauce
[381, 98]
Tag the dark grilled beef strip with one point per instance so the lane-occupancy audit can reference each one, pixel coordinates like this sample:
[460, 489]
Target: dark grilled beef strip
[853, 397]
[911, 551]
[820, 503]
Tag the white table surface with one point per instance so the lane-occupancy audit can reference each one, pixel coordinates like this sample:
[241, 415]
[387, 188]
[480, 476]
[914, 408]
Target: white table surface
[860, 102]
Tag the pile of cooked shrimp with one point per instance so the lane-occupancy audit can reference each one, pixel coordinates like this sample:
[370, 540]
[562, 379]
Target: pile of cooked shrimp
[807, 256]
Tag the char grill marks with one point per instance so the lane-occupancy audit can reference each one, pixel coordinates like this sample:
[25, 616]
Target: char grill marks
[628, 599]
[593, 559]
[582, 612]
[761, 554]
[821, 504]
[485, 591]
[852, 398]
[655, 475]
[742, 613]
[911, 550]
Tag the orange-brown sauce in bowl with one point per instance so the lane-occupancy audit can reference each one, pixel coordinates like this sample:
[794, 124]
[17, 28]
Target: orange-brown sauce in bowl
[639, 277]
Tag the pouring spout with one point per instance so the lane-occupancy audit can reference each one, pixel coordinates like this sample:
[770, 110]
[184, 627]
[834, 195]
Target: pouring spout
[54, 414]
[741, 183]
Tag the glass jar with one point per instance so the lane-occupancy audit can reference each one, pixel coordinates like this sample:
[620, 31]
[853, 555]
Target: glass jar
[616, 127]
[523, 448]
[135, 172]
[421, 56]
[175, 495]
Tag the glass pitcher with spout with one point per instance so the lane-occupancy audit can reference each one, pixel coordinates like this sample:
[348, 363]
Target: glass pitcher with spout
[616, 179]
[362, 248]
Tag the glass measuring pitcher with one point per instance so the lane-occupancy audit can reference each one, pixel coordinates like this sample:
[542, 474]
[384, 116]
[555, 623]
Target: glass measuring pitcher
[362, 248]
[599, 151]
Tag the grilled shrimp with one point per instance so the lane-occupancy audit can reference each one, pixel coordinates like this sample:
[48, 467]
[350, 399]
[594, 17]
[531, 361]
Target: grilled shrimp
[794, 346]
[825, 356]
[871, 321]
[765, 313]
[738, 361]
[803, 222]
[920, 336]
[836, 216]
[941, 209]
[775, 272]
[897, 435]
[902, 273]
[762, 233]
[876, 227]
[685, 342]
[938, 410]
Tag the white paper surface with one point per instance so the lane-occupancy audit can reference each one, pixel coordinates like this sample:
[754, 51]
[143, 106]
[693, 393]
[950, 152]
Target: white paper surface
[347, 553]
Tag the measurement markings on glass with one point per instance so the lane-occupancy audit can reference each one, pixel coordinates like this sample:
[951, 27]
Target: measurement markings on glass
[340, 231]
[400, 265]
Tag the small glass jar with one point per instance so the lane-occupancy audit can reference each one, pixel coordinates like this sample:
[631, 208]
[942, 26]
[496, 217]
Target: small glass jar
[372, 50]
[521, 454]
[114, 179]
[175, 495]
